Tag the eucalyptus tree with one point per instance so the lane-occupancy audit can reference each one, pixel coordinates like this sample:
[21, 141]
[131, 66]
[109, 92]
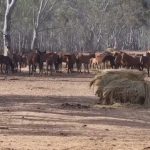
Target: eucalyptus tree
[43, 14]
[79, 24]
[10, 4]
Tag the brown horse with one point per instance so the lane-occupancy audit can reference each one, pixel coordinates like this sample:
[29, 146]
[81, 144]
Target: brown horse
[51, 59]
[35, 59]
[70, 60]
[83, 59]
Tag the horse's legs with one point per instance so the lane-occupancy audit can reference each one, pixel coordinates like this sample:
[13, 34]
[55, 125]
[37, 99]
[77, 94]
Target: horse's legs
[56, 65]
[97, 66]
[88, 68]
[80, 67]
[51, 69]
[84, 67]
[34, 68]
[41, 68]
[1, 68]
[6, 69]
[17, 66]
[103, 66]
[142, 67]
[29, 69]
[92, 66]
[59, 67]
[47, 69]
[148, 70]
[20, 64]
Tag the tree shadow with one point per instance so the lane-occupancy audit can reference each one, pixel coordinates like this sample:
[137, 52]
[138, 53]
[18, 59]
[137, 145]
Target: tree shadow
[54, 75]
[63, 116]
[57, 77]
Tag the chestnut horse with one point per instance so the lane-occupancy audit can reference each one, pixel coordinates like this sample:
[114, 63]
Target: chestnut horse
[34, 59]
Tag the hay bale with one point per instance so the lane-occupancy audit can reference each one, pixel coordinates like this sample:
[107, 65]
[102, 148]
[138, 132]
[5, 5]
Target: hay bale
[120, 86]
[110, 50]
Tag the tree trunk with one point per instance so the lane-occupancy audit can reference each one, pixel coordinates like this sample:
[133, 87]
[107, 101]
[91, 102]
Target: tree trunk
[34, 43]
[7, 26]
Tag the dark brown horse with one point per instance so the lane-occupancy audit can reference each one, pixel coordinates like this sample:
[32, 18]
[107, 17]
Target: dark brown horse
[69, 59]
[17, 61]
[6, 62]
[109, 58]
[145, 62]
[118, 58]
[130, 61]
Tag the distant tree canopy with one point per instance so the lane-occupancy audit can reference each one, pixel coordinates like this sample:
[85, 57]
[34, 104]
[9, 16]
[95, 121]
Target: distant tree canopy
[72, 25]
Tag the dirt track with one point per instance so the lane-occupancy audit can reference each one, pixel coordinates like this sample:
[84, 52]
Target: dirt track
[60, 113]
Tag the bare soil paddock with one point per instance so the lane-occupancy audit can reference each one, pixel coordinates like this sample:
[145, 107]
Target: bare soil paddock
[60, 113]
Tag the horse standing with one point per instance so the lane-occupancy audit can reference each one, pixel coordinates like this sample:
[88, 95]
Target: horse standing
[93, 63]
[130, 61]
[109, 58]
[118, 58]
[17, 61]
[145, 62]
[34, 59]
[6, 62]
[51, 59]
[84, 59]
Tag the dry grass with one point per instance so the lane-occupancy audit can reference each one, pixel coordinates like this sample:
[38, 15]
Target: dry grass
[120, 86]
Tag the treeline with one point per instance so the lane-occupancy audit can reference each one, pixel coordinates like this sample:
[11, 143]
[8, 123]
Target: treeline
[83, 25]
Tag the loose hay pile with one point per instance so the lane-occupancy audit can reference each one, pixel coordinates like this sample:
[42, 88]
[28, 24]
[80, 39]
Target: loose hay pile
[121, 86]
[110, 49]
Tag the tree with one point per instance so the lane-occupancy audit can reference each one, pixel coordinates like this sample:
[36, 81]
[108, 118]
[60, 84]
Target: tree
[7, 26]
[40, 19]
[79, 24]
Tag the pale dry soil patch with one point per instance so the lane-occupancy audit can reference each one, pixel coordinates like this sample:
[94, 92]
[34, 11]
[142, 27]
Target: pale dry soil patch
[60, 113]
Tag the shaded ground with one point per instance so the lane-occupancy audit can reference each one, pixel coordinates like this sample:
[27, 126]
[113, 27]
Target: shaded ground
[60, 113]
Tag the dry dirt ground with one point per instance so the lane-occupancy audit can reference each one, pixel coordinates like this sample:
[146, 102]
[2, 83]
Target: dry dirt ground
[60, 113]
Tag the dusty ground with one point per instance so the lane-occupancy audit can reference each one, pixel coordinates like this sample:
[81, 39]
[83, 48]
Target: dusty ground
[60, 113]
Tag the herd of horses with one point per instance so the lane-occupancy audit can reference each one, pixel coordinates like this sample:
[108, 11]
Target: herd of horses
[48, 62]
